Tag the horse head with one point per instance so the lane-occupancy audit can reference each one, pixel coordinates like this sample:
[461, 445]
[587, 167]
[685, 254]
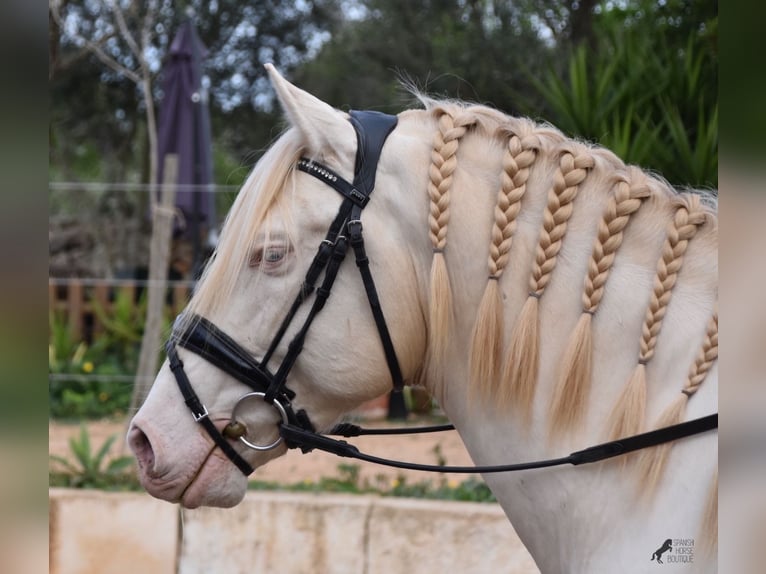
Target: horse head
[267, 244]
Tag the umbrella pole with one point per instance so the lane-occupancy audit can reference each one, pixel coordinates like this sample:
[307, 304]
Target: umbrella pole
[196, 231]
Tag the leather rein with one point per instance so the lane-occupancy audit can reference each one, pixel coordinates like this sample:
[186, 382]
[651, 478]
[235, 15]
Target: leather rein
[202, 337]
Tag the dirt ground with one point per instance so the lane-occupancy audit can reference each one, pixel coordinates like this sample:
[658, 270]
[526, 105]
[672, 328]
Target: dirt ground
[297, 467]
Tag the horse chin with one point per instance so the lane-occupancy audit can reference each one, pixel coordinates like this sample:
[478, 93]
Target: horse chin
[200, 475]
[218, 483]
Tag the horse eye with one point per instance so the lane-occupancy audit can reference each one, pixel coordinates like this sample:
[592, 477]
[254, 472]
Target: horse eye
[269, 257]
[274, 255]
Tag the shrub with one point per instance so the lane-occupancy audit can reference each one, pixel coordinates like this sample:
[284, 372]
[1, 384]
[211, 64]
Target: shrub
[96, 380]
[90, 470]
[648, 95]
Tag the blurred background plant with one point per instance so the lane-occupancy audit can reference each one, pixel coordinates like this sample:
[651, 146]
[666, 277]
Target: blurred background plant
[648, 92]
[348, 481]
[640, 76]
[86, 468]
[94, 380]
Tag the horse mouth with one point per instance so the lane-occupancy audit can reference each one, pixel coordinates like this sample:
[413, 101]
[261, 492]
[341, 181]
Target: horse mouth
[202, 476]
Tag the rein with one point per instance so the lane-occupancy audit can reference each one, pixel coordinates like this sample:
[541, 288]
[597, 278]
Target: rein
[591, 454]
[202, 337]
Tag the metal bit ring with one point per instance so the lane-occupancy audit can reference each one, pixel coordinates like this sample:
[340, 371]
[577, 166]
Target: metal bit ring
[276, 404]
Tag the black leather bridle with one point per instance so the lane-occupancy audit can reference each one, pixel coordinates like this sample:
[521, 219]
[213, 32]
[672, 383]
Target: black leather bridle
[203, 338]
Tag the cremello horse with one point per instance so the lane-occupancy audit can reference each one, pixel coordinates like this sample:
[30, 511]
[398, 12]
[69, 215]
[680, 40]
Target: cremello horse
[548, 295]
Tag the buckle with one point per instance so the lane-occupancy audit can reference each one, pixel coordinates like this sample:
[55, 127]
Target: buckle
[355, 228]
[200, 416]
[358, 197]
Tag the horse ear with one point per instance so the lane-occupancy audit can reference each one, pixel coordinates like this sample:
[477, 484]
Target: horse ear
[322, 125]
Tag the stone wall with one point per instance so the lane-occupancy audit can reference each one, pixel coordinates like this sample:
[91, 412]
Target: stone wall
[278, 532]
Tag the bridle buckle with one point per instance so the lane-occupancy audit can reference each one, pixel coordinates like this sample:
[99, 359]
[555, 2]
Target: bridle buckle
[199, 416]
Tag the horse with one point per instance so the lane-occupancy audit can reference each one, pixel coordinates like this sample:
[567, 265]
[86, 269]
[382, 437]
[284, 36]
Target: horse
[657, 554]
[548, 295]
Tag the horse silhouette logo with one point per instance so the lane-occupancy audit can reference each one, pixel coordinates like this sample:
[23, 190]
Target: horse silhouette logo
[666, 546]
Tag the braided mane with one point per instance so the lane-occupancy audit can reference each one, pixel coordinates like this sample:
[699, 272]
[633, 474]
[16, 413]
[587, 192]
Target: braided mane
[504, 359]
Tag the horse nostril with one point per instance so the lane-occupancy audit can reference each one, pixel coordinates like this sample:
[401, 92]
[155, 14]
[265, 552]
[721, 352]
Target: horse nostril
[142, 449]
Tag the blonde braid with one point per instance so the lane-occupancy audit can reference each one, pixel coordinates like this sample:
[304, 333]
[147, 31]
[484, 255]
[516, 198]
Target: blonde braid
[685, 224]
[571, 392]
[627, 417]
[622, 204]
[705, 358]
[572, 171]
[443, 164]
[652, 461]
[521, 364]
[487, 337]
[516, 163]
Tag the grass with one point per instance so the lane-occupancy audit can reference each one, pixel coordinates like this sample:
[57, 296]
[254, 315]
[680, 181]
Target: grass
[348, 481]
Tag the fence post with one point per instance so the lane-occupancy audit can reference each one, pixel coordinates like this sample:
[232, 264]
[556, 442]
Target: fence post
[100, 301]
[159, 256]
[75, 309]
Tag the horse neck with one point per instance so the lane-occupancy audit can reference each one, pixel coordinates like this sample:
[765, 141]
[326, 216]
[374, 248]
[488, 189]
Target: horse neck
[604, 217]
[499, 425]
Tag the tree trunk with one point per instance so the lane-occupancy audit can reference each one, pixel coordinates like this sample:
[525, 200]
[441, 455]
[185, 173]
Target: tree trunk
[159, 258]
[151, 132]
[581, 22]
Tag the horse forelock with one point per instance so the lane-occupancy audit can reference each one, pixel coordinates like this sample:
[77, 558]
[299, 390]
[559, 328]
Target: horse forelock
[248, 217]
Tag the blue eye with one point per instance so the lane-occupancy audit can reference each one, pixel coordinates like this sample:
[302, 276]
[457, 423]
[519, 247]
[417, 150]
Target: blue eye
[274, 255]
[269, 258]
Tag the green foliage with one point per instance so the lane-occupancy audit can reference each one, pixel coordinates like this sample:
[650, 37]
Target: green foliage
[468, 50]
[638, 76]
[113, 356]
[239, 37]
[470, 490]
[89, 469]
[349, 481]
[650, 97]
[83, 394]
[125, 322]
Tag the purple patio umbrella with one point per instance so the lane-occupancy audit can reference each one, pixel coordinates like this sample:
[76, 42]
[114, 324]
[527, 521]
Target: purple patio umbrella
[184, 130]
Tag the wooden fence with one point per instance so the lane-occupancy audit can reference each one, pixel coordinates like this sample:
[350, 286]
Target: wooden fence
[78, 299]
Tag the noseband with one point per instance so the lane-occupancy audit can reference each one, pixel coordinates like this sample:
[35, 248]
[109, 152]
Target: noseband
[202, 337]
[208, 341]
